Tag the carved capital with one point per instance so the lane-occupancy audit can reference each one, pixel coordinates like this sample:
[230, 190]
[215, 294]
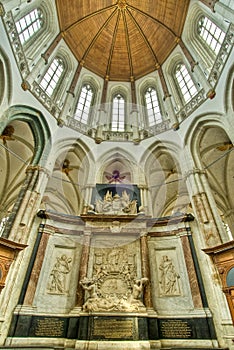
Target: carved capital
[195, 171]
[25, 85]
[211, 94]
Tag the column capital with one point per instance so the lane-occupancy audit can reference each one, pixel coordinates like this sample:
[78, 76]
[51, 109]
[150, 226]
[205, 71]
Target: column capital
[195, 171]
[32, 168]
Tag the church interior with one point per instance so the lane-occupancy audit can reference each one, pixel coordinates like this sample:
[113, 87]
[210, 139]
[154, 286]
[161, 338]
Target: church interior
[117, 174]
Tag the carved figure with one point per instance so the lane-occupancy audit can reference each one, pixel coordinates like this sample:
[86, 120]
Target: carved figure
[138, 287]
[60, 269]
[168, 276]
[90, 286]
[116, 204]
[114, 285]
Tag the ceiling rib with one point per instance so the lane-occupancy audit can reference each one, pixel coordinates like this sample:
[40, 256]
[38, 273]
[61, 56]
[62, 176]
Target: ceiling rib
[144, 38]
[98, 34]
[121, 39]
[154, 20]
[128, 43]
[113, 45]
[71, 26]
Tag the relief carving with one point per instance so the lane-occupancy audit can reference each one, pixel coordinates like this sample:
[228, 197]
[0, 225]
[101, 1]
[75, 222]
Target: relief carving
[116, 205]
[114, 285]
[58, 275]
[168, 277]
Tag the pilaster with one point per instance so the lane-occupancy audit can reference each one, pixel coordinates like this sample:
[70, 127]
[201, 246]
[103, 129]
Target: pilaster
[83, 267]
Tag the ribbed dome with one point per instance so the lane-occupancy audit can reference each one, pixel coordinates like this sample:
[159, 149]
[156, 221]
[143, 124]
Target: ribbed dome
[121, 39]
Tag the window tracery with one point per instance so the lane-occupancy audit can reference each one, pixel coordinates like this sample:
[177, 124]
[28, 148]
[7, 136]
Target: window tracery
[118, 113]
[187, 88]
[83, 107]
[152, 106]
[52, 76]
[29, 24]
[210, 33]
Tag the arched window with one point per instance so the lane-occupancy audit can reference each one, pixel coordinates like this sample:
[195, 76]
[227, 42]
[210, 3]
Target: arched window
[152, 106]
[28, 25]
[186, 85]
[211, 34]
[84, 103]
[118, 113]
[52, 76]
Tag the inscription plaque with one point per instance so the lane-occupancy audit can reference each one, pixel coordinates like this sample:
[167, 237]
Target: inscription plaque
[175, 329]
[113, 328]
[48, 327]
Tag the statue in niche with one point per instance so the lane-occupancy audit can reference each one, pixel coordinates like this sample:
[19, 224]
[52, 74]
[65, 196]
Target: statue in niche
[57, 282]
[168, 277]
[114, 285]
[116, 205]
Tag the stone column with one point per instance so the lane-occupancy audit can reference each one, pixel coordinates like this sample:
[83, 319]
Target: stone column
[35, 72]
[70, 96]
[83, 267]
[194, 285]
[167, 99]
[134, 114]
[87, 196]
[102, 113]
[204, 206]
[145, 267]
[27, 204]
[135, 126]
[144, 203]
[200, 76]
[229, 219]
[33, 281]
[26, 84]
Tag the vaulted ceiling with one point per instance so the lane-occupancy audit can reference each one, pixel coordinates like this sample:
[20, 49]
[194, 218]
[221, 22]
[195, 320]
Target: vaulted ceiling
[121, 40]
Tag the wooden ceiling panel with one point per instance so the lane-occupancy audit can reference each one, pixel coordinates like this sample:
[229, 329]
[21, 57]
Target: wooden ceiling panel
[121, 38]
[86, 34]
[72, 11]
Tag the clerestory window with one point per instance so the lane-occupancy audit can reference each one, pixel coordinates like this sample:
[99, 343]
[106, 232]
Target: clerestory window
[28, 25]
[186, 85]
[210, 33]
[52, 76]
[152, 107]
[118, 113]
[84, 104]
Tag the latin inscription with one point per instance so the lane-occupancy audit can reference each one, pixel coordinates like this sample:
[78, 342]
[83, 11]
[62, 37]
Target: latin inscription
[113, 329]
[48, 327]
[175, 329]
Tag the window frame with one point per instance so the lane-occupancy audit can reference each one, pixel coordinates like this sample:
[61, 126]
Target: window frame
[31, 37]
[187, 82]
[118, 122]
[158, 106]
[58, 82]
[210, 35]
[89, 114]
